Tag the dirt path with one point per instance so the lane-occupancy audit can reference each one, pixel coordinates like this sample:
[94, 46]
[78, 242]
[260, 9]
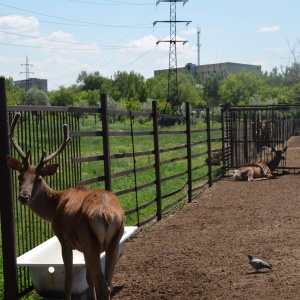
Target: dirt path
[200, 252]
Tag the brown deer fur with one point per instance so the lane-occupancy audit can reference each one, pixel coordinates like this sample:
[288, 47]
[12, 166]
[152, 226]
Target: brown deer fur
[260, 170]
[91, 221]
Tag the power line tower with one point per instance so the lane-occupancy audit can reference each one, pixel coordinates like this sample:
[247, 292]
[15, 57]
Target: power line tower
[198, 45]
[27, 65]
[172, 76]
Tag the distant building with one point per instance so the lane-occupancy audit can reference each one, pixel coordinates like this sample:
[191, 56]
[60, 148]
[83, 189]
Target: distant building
[42, 84]
[205, 70]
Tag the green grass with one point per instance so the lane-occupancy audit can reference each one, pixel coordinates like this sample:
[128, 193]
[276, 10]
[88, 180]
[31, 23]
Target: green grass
[123, 145]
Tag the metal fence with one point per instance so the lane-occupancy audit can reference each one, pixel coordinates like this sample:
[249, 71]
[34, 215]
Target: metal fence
[250, 132]
[152, 168]
[165, 167]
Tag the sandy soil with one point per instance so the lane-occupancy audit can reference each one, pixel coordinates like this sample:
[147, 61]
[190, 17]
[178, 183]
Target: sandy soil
[200, 252]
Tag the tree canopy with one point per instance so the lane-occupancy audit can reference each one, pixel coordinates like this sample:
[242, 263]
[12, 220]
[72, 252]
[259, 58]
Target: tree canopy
[132, 91]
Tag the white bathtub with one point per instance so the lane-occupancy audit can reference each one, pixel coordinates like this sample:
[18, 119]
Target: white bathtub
[46, 267]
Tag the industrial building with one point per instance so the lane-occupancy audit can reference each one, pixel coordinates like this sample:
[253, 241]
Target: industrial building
[204, 70]
[29, 83]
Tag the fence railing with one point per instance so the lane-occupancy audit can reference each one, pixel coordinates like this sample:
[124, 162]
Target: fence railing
[251, 131]
[152, 168]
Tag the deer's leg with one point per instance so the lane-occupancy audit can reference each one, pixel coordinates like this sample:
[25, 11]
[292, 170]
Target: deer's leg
[111, 256]
[91, 283]
[250, 175]
[95, 278]
[68, 264]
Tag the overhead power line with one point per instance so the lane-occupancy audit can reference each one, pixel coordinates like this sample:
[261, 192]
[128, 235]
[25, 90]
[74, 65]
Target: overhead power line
[111, 2]
[63, 42]
[81, 23]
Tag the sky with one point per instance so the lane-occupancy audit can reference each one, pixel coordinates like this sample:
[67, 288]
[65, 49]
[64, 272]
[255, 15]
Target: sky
[61, 38]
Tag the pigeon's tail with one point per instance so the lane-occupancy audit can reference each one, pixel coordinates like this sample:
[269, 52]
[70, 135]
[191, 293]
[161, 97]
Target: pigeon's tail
[265, 265]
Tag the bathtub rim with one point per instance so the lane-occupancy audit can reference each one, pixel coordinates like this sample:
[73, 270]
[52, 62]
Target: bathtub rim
[26, 259]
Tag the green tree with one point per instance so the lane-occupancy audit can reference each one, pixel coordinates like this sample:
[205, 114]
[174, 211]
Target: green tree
[295, 94]
[211, 86]
[236, 89]
[274, 78]
[36, 97]
[189, 90]
[158, 87]
[63, 97]
[130, 104]
[291, 74]
[14, 94]
[92, 98]
[91, 81]
[127, 85]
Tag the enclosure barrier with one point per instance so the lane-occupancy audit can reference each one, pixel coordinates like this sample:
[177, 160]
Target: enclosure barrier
[165, 166]
[152, 168]
[250, 132]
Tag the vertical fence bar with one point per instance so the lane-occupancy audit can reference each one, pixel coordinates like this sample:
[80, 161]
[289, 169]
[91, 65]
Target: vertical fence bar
[6, 206]
[246, 154]
[106, 147]
[157, 160]
[189, 149]
[235, 129]
[208, 147]
[223, 141]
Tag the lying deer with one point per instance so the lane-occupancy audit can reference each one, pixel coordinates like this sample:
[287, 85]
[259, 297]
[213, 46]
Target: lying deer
[260, 170]
[91, 221]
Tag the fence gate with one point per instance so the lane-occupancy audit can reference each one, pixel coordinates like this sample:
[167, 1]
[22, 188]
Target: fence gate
[250, 132]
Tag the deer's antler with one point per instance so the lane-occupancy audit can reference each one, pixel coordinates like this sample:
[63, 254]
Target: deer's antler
[66, 140]
[43, 159]
[24, 156]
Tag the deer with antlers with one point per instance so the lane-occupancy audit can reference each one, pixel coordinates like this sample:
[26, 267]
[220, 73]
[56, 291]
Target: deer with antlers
[260, 170]
[91, 221]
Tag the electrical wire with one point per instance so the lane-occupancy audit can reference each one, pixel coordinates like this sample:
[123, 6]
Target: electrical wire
[82, 23]
[58, 41]
[112, 3]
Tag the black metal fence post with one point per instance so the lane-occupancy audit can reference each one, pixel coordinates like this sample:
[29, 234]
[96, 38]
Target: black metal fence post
[189, 149]
[208, 147]
[245, 122]
[157, 160]
[106, 146]
[223, 141]
[7, 206]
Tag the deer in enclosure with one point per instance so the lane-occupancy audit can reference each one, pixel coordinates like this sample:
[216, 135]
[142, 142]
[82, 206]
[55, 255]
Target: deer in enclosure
[260, 170]
[91, 221]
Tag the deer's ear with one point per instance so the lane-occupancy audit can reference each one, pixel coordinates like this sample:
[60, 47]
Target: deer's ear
[14, 164]
[49, 170]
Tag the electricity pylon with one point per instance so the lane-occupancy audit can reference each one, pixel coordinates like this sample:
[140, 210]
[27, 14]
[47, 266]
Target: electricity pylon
[27, 65]
[172, 76]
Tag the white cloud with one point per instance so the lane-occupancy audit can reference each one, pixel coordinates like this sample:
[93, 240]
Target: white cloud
[141, 45]
[269, 29]
[60, 41]
[19, 24]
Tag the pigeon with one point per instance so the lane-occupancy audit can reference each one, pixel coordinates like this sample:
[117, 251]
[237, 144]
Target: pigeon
[258, 264]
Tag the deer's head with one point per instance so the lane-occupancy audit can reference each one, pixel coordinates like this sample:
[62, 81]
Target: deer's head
[31, 177]
[280, 154]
